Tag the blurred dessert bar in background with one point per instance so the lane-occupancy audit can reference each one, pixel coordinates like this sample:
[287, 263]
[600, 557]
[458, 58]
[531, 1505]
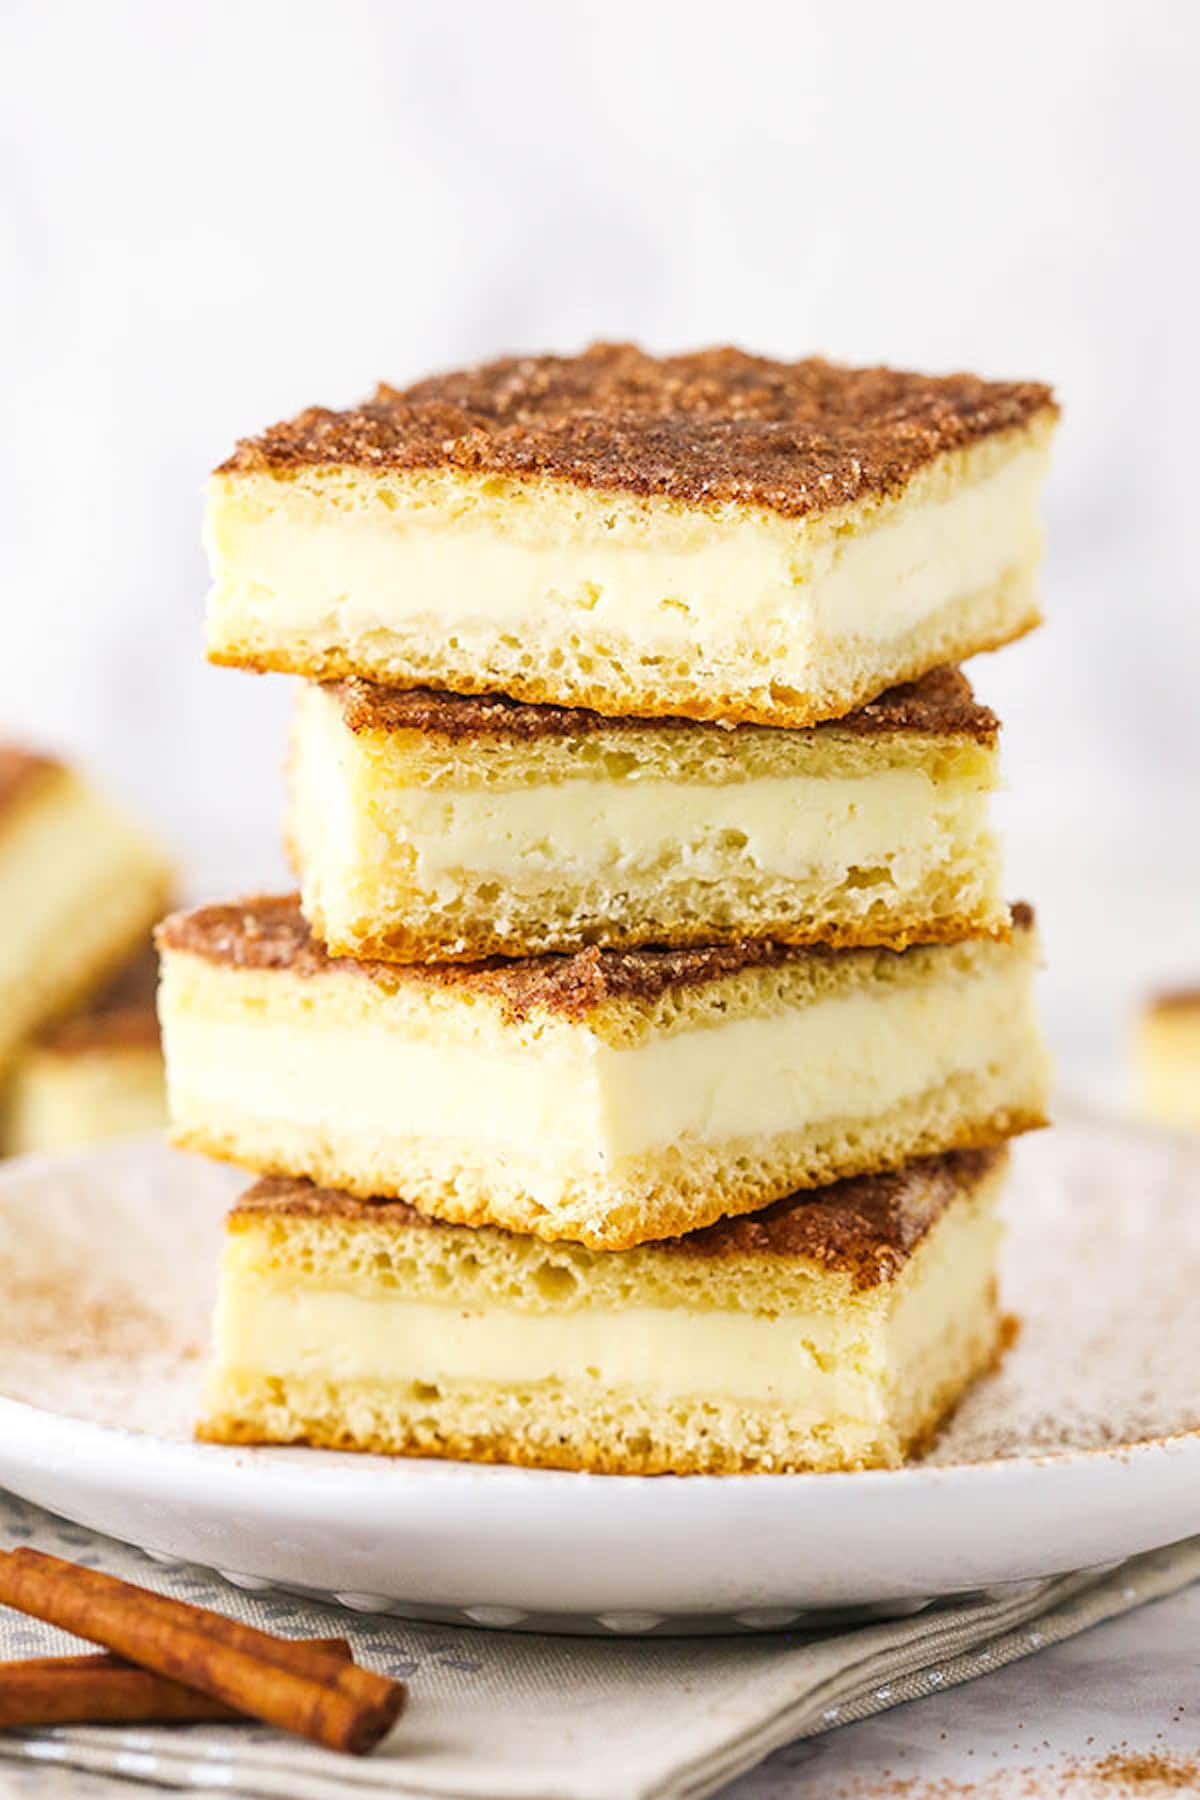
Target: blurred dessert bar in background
[96, 1074]
[81, 887]
[1166, 1055]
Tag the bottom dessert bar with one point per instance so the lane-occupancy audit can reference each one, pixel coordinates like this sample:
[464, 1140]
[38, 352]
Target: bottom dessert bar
[833, 1330]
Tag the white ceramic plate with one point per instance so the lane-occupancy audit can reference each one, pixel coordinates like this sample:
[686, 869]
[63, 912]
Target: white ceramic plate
[1084, 1448]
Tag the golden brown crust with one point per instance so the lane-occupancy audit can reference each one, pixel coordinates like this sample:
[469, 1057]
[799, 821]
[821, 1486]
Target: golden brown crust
[866, 1227]
[122, 1017]
[674, 1210]
[405, 946]
[19, 770]
[940, 704]
[269, 932]
[701, 702]
[714, 427]
[581, 1457]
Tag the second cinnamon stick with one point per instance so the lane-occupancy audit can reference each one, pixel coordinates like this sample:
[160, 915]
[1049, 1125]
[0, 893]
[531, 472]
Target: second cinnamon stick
[106, 1690]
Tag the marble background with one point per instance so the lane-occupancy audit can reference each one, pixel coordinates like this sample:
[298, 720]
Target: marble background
[211, 215]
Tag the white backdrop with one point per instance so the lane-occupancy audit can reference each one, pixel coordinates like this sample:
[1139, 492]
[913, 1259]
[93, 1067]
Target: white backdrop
[214, 214]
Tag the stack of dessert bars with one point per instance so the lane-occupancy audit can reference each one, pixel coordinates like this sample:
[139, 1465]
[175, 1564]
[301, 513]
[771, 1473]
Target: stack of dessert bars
[631, 1077]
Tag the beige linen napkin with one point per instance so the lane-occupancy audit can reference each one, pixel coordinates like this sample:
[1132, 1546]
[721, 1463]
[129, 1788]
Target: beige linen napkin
[509, 1716]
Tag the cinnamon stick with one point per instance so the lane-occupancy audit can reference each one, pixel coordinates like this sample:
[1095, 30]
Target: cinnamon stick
[104, 1690]
[311, 1692]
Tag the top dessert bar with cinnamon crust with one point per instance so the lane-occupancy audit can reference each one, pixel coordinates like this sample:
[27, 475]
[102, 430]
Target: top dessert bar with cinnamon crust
[712, 536]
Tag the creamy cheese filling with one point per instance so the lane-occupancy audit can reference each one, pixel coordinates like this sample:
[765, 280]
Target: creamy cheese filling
[333, 573]
[346, 1337]
[776, 826]
[854, 1055]
[824, 1359]
[881, 583]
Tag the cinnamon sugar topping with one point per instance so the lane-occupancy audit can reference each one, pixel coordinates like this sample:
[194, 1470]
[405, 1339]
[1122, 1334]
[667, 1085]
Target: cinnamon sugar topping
[866, 1228]
[269, 932]
[711, 428]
